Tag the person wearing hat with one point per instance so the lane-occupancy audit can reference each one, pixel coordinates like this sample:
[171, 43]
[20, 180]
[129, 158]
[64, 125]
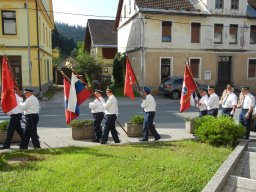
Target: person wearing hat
[111, 112]
[247, 105]
[228, 101]
[14, 124]
[149, 106]
[201, 103]
[212, 103]
[97, 109]
[31, 110]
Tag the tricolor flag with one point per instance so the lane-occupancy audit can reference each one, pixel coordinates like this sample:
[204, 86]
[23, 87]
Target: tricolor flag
[189, 86]
[8, 101]
[130, 80]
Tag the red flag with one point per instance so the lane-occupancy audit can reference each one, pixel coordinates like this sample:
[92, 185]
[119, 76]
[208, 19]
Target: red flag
[188, 87]
[8, 101]
[130, 80]
[69, 114]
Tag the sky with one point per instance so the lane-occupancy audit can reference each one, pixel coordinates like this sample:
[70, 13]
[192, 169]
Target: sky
[84, 7]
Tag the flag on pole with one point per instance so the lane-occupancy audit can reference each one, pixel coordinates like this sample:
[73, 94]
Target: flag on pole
[188, 87]
[130, 80]
[8, 100]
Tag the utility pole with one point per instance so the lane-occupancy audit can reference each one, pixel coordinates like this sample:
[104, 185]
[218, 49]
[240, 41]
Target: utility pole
[29, 54]
[142, 52]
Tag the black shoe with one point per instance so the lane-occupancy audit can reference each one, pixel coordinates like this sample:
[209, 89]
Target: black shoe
[117, 141]
[95, 140]
[143, 140]
[23, 148]
[156, 139]
[103, 142]
[5, 147]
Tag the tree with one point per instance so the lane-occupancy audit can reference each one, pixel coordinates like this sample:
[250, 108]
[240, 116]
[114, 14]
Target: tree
[119, 70]
[88, 66]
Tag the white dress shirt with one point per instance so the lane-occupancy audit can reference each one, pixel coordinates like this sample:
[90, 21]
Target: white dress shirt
[30, 106]
[248, 102]
[110, 106]
[202, 106]
[229, 100]
[149, 103]
[17, 109]
[97, 105]
[212, 102]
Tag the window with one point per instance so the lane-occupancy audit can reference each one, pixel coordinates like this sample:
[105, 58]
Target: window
[195, 32]
[194, 64]
[234, 4]
[218, 4]
[165, 68]
[218, 29]
[166, 31]
[253, 34]
[252, 68]
[233, 34]
[9, 22]
[109, 53]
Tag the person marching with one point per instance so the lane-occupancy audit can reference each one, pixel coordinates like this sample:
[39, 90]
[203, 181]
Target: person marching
[229, 101]
[247, 104]
[97, 109]
[201, 102]
[213, 102]
[14, 124]
[149, 106]
[31, 110]
[111, 111]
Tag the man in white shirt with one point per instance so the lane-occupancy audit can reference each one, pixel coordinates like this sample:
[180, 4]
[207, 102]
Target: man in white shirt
[213, 102]
[97, 109]
[247, 105]
[201, 103]
[31, 110]
[229, 101]
[149, 106]
[14, 124]
[111, 111]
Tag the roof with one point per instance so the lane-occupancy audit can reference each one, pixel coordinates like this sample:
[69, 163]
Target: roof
[102, 32]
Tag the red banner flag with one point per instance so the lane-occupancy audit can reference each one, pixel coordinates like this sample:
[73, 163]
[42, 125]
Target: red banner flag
[130, 80]
[188, 87]
[8, 101]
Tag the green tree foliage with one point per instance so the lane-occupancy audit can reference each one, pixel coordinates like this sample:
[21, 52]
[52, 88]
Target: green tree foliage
[88, 66]
[119, 70]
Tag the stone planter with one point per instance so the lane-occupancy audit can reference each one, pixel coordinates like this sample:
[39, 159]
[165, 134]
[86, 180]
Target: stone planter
[189, 127]
[15, 138]
[85, 132]
[135, 130]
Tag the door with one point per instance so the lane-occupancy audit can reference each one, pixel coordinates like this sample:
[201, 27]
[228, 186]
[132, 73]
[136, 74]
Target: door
[224, 72]
[165, 68]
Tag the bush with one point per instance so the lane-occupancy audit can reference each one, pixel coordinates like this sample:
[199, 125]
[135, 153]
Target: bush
[4, 125]
[137, 119]
[81, 123]
[219, 131]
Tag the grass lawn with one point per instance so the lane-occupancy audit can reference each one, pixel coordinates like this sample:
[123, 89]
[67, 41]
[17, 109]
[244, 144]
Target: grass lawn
[157, 166]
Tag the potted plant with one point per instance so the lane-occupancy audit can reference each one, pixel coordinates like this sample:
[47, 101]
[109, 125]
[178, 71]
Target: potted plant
[82, 129]
[190, 124]
[3, 133]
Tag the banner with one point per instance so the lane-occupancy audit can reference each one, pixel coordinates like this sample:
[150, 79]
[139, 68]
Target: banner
[130, 80]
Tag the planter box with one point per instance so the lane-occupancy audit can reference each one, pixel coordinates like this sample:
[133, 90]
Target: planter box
[189, 127]
[15, 138]
[85, 132]
[135, 130]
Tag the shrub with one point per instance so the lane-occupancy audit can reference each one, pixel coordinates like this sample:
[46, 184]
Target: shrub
[219, 131]
[4, 125]
[137, 119]
[81, 123]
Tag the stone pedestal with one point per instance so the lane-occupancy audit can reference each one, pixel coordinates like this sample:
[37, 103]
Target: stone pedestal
[15, 138]
[189, 127]
[135, 130]
[85, 132]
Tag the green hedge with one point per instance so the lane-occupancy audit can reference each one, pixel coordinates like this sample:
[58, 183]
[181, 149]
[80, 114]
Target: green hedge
[218, 131]
[81, 123]
[137, 119]
[4, 125]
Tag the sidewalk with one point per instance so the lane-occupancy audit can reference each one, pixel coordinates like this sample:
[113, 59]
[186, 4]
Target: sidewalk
[62, 137]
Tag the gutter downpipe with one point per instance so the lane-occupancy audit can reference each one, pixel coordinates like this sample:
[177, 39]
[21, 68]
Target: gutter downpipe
[29, 54]
[142, 41]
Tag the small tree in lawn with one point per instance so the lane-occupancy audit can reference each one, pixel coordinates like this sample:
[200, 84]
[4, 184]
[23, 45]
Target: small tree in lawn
[88, 66]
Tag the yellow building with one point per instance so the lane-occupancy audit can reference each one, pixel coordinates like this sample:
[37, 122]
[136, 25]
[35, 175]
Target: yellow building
[25, 37]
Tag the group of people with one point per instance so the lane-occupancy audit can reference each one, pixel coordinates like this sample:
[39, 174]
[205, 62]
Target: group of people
[209, 105]
[30, 108]
[109, 110]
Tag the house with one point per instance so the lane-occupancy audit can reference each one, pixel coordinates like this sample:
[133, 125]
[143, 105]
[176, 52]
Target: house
[101, 42]
[25, 37]
[218, 37]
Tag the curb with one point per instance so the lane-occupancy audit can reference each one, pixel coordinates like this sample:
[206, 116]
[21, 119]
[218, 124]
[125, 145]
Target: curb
[219, 179]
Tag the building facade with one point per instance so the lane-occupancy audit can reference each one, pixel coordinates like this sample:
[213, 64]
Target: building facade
[218, 37]
[25, 37]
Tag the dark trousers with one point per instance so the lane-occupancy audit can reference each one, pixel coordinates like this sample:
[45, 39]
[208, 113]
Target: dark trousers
[202, 113]
[227, 111]
[110, 126]
[14, 124]
[149, 126]
[97, 119]
[30, 131]
[213, 112]
[245, 122]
